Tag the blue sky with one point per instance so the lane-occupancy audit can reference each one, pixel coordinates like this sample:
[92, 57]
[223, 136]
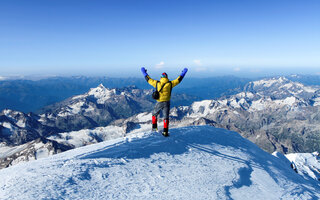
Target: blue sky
[117, 37]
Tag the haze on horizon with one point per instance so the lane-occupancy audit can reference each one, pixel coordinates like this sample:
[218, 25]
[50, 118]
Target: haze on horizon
[115, 38]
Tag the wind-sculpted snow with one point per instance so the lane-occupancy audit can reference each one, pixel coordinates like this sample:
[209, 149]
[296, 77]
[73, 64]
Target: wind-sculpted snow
[200, 162]
[306, 164]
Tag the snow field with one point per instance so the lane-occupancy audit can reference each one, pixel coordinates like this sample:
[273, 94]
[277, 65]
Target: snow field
[200, 162]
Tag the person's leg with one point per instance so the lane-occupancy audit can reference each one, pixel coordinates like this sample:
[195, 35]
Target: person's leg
[155, 113]
[154, 122]
[166, 110]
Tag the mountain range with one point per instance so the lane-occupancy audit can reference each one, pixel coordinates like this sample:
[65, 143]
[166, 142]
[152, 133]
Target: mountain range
[275, 113]
[32, 95]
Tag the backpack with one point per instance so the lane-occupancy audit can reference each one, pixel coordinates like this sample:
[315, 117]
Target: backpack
[156, 93]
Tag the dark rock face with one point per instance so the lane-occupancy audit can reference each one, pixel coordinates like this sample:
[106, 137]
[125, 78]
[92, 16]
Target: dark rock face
[18, 128]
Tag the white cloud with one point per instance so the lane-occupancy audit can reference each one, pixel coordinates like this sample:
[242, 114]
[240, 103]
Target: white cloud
[197, 62]
[255, 70]
[2, 78]
[237, 69]
[159, 65]
[200, 69]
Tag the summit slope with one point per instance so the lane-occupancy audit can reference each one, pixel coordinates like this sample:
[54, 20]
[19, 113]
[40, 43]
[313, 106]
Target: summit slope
[197, 162]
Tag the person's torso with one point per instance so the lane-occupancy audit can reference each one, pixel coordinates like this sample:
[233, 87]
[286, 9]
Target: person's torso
[165, 93]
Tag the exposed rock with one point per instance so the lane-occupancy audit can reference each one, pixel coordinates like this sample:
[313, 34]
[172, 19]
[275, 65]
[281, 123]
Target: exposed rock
[35, 149]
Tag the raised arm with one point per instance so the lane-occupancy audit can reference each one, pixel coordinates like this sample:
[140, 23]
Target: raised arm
[147, 77]
[179, 79]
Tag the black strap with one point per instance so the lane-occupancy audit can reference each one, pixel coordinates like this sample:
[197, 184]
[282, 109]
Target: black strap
[170, 88]
[162, 86]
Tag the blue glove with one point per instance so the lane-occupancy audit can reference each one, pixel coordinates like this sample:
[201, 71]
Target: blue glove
[184, 71]
[144, 71]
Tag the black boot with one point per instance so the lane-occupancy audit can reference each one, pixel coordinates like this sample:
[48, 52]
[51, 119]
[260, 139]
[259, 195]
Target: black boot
[154, 127]
[165, 132]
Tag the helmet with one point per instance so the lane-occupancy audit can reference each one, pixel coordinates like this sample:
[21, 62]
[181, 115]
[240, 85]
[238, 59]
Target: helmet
[164, 75]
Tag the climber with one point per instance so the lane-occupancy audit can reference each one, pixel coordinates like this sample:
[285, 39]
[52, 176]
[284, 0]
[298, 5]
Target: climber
[163, 90]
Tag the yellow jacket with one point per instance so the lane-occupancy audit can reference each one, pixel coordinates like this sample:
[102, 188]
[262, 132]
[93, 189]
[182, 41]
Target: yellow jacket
[165, 93]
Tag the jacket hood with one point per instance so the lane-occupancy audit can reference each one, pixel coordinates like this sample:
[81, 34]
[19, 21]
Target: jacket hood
[164, 80]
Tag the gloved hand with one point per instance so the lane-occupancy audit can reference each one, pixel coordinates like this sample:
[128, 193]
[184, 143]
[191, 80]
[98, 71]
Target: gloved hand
[184, 71]
[144, 71]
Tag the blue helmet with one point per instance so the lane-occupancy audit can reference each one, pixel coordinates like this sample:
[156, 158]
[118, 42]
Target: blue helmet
[164, 75]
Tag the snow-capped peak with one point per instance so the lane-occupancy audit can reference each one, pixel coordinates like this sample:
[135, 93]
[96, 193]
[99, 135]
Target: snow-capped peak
[101, 93]
[100, 90]
[281, 88]
[8, 112]
[271, 81]
[282, 83]
[101, 85]
[80, 103]
[15, 118]
[98, 107]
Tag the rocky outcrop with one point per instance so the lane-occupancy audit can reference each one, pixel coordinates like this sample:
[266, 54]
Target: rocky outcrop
[39, 148]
